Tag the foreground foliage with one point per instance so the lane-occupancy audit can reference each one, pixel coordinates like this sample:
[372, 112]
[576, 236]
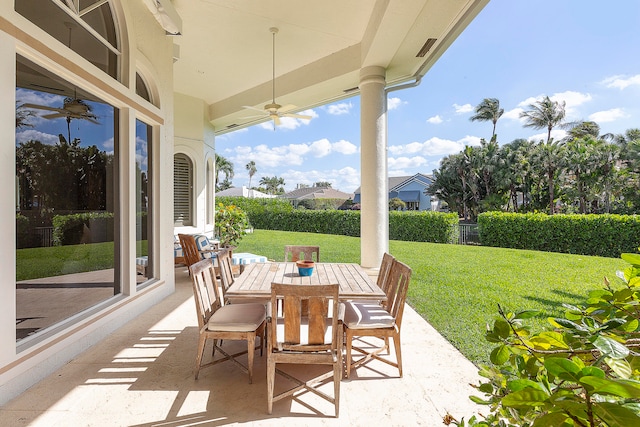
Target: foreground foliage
[583, 372]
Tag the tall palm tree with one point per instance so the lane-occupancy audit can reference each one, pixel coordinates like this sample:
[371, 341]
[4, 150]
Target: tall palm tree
[225, 166]
[544, 114]
[251, 167]
[488, 111]
[550, 158]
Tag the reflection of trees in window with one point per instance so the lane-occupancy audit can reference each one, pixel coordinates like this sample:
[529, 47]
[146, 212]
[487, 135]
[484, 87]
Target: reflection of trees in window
[61, 177]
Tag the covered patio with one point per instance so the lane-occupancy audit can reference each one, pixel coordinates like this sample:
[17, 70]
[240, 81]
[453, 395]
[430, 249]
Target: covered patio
[142, 375]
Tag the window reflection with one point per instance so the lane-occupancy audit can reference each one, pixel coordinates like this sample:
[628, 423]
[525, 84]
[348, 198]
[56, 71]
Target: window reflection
[144, 264]
[66, 157]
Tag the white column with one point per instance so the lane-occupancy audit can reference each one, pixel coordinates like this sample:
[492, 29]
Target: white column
[374, 221]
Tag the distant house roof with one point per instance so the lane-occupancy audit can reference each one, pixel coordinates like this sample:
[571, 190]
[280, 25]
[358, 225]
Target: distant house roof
[397, 182]
[316, 193]
[243, 192]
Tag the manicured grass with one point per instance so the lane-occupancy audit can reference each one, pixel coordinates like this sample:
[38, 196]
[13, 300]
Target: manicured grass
[57, 260]
[457, 288]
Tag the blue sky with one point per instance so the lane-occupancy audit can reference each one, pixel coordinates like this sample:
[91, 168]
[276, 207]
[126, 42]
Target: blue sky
[583, 52]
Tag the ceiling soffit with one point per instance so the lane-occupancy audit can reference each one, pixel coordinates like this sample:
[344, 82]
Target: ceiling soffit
[226, 49]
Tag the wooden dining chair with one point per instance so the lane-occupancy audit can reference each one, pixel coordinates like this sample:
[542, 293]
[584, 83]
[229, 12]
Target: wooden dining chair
[294, 253]
[217, 321]
[315, 339]
[370, 319]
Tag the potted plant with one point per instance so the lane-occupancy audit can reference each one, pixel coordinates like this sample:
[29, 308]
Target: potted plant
[231, 224]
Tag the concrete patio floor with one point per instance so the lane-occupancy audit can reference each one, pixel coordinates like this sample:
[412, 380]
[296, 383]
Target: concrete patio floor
[142, 375]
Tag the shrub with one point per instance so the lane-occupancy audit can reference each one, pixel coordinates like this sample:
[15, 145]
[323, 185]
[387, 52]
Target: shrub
[583, 372]
[88, 227]
[601, 235]
[231, 224]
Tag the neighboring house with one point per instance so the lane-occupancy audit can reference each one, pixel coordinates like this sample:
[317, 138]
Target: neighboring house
[244, 192]
[301, 195]
[409, 189]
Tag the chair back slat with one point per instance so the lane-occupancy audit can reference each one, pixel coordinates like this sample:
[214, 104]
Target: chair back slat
[396, 289]
[304, 331]
[295, 253]
[292, 318]
[226, 272]
[317, 320]
[385, 267]
[205, 291]
[189, 249]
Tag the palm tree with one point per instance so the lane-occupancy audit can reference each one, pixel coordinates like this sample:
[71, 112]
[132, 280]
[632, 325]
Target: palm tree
[251, 167]
[225, 166]
[544, 114]
[550, 157]
[273, 185]
[488, 111]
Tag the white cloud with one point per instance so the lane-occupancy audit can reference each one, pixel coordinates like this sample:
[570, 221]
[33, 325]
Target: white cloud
[35, 135]
[344, 147]
[572, 101]
[461, 109]
[346, 179]
[556, 134]
[513, 114]
[394, 103]
[406, 162]
[608, 115]
[433, 146]
[287, 155]
[435, 120]
[621, 82]
[339, 109]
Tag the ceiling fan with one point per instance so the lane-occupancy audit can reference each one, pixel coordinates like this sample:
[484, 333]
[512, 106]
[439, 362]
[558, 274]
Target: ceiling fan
[274, 110]
[72, 108]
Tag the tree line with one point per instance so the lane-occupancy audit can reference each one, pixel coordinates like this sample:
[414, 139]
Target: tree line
[584, 172]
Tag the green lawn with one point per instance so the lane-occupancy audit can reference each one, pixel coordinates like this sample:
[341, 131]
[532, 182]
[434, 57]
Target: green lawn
[457, 288]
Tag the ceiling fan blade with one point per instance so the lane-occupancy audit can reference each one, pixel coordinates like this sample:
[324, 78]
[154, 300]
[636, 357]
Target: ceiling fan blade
[254, 117]
[286, 108]
[54, 116]
[253, 108]
[41, 107]
[297, 116]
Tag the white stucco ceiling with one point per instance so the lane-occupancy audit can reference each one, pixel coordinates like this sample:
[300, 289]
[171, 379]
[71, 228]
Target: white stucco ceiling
[226, 48]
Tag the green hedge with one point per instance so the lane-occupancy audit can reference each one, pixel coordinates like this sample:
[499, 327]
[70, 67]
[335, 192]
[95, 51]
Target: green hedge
[423, 226]
[89, 227]
[277, 214]
[601, 235]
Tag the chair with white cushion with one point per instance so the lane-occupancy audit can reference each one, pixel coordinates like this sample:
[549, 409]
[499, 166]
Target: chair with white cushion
[217, 321]
[371, 319]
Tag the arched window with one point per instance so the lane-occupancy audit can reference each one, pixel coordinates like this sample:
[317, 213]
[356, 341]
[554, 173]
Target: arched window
[182, 190]
[87, 27]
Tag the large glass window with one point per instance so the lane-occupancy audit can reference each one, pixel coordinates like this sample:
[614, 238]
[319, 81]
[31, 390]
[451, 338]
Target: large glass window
[144, 260]
[66, 210]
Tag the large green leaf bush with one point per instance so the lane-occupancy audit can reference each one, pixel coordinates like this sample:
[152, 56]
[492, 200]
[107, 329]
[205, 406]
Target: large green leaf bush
[584, 371]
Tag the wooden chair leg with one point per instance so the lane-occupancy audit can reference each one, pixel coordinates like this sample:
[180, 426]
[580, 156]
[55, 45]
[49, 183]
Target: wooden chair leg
[201, 344]
[396, 344]
[251, 348]
[271, 373]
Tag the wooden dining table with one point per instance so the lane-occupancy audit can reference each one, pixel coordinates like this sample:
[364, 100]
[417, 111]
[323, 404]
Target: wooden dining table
[255, 282]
